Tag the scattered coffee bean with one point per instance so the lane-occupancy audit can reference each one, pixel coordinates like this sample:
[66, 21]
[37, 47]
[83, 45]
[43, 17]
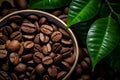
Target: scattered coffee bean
[42, 20]
[28, 45]
[52, 71]
[61, 75]
[47, 60]
[38, 57]
[14, 58]
[16, 36]
[13, 76]
[3, 54]
[43, 38]
[57, 13]
[56, 36]
[20, 68]
[40, 69]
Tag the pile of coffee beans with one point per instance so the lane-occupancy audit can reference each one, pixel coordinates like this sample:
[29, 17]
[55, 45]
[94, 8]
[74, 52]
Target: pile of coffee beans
[34, 48]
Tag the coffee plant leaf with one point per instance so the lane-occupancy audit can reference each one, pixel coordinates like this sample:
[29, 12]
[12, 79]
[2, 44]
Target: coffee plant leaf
[102, 38]
[48, 4]
[82, 10]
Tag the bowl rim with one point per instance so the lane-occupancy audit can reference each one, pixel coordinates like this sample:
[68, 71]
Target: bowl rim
[76, 49]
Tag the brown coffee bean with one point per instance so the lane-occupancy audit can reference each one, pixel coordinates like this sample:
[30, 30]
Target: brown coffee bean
[28, 28]
[46, 49]
[58, 59]
[14, 58]
[27, 57]
[37, 48]
[85, 77]
[14, 76]
[37, 39]
[45, 77]
[15, 18]
[32, 17]
[64, 33]
[21, 50]
[37, 26]
[29, 69]
[65, 50]
[56, 47]
[28, 45]
[38, 57]
[5, 66]
[21, 4]
[13, 45]
[70, 59]
[31, 63]
[61, 75]
[65, 65]
[63, 17]
[42, 20]
[66, 10]
[52, 71]
[46, 29]
[20, 68]
[54, 27]
[4, 76]
[57, 13]
[43, 38]
[28, 74]
[33, 77]
[87, 59]
[16, 36]
[56, 36]
[66, 42]
[52, 55]
[28, 37]
[84, 64]
[3, 54]
[3, 38]
[21, 76]
[78, 70]
[40, 69]
[2, 47]
[14, 26]
[47, 60]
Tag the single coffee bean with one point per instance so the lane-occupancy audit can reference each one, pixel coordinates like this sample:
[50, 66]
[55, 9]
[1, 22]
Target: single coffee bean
[78, 70]
[65, 65]
[42, 20]
[47, 60]
[3, 38]
[30, 63]
[33, 77]
[32, 17]
[27, 57]
[65, 50]
[13, 45]
[37, 48]
[28, 37]
[52, 55]
[21, 50]
[37, 39]
[43, 38]
[2, 47]
[16, 36]
[4, 76]
[66, 42]
[87, 59]
[14, 76]
[37, 57]
[45, 77]
[14, 58]
[84, 64]
[63, 17]
[21, 4]
[30, 69]
[52, 71]
[3, 54]
[58, 59]
[70, 59]
[66, 10]
[56, 36]
[57, 13]
[20, 68]
[5, 66]
[64, 33]
[54, 27]
[28, 28]
[46, 29]
[28, 45]
[37, 26]
[14, 26]
[28, 74]
[40, 69]
[46, 49]
[56, 47]
[61, 75]
[15, 18]
[21, 76]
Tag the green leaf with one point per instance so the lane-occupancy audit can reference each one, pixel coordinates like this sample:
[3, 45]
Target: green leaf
[118, 16]
[48, 4]
[82, 10]
[102, 38]
[114, 58]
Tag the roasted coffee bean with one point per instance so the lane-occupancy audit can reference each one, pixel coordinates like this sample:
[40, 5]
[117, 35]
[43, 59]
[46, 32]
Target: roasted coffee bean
[43, 38]
[13, 45]
[78, 70]
[14, 26]
[28, 74]
[3, 54]
[38, 57]
[70, 59]
[21, 76]
[27, 57]
[16, 36]
[14, 58]
[47, 60]
[4, 76]
[37, 39]
[20, 68]
[30, 63]
[52, 71]
[46, 49]
[45, 77]
[14, 76]
[46, 29]
[30, 69]
[37, 26]
[52, 55]
[65, 65]
[84, 64]
[28, 45]
[61, 75]
[21, 50]
[28, 37]
[32, 17]
[28, 28]
[63, 17]
[40, 69]
[64, 33]
[2, 47]
[65, 50]
[57, 13]
[87, 59]
[33, 77]
[85, 77]
[42, 20]
[5, 66]
[56, 47]
[66, 42]
[54, 27]
[56, 36]
[66, 10]
[58, 59]
[37, 48]
[3, 38]
[15, 18]
[21, 4]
